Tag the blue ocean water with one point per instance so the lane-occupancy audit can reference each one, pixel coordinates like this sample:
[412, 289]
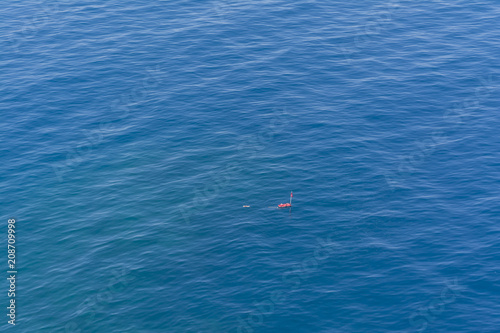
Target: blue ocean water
[134, 131]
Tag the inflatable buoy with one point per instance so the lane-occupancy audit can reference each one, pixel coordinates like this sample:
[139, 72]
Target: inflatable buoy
[287, 205]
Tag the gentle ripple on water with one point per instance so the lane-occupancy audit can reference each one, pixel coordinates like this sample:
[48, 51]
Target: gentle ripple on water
[135, 131]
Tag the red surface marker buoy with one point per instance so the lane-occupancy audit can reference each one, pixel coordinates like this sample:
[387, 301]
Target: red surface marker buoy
[287, 205]
[283, 205]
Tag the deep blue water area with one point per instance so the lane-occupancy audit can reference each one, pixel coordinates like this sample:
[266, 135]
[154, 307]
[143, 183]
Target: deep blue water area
[134, 132]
